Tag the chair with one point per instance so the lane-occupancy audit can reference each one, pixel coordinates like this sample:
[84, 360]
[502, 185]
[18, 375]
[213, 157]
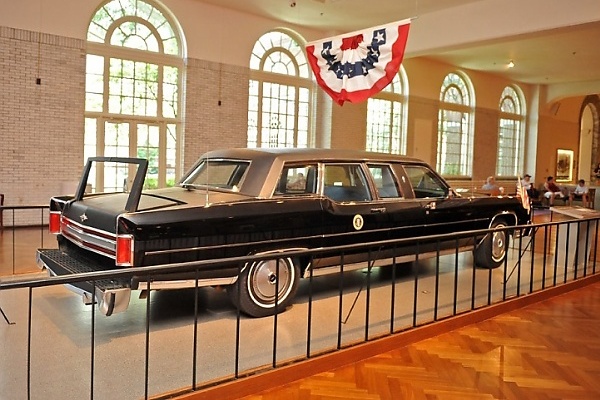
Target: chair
[591, 198]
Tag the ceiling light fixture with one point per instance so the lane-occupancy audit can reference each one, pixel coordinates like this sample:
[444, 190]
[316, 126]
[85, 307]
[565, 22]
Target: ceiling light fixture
[511, 64]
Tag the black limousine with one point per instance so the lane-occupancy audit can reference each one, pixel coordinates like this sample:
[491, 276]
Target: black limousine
[265, 202]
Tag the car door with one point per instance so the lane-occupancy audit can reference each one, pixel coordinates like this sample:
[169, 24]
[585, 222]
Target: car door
[404, 217]
[444, 211]
[349, 214]
[363, 204]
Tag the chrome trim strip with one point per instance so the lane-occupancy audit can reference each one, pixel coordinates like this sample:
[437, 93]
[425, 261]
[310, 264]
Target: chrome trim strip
[85, 237]
[99, 242]
[187, 283]
[384, 262]
[82, 244]
[100, 232]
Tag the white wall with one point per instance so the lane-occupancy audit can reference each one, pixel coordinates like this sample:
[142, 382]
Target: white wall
[207, 28]
[209, 37]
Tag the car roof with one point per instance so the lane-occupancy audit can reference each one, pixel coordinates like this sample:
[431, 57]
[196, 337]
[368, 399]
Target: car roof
[294, 154]
[266, 163]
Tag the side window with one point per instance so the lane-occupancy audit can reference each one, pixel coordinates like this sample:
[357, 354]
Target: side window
[345, 182]
[297, 179]
[386, 184]
[424, 182]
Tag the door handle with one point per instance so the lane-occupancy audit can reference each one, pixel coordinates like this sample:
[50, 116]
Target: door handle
[430, 206]
[378, 210]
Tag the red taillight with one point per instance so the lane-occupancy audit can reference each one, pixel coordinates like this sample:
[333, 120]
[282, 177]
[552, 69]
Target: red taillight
[54, 222]
[124, 251]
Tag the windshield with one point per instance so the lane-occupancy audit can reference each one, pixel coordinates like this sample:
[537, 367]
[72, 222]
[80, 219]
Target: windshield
[218, 173]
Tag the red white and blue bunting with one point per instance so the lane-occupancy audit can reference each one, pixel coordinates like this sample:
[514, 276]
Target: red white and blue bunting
[354, 66]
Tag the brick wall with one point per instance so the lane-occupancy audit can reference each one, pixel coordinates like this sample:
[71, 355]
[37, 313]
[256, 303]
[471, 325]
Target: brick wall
[42, 125]
[41, 122]
[216, 108]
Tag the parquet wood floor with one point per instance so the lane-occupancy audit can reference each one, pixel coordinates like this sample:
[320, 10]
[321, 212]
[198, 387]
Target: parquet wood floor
[550, 350]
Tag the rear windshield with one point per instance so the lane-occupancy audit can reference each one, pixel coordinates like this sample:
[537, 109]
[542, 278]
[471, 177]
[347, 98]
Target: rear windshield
[218, 173]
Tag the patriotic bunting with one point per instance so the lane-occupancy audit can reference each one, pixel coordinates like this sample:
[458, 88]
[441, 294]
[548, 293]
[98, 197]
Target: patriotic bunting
[354, 66]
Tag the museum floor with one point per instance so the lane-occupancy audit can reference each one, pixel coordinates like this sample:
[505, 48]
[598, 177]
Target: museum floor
[549, 350]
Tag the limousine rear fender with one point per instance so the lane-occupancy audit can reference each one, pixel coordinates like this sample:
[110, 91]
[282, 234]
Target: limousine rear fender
[508, 216]
[303, 262]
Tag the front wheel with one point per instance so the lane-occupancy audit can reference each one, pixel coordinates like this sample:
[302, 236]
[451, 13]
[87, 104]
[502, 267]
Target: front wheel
[492, 250]
[262, 283]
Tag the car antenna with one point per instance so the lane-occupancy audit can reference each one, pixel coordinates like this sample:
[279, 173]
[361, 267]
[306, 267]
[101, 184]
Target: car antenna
[206, 202]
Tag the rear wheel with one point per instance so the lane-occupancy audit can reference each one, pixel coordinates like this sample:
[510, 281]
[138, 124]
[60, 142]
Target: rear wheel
[492, 250]
[262, 283]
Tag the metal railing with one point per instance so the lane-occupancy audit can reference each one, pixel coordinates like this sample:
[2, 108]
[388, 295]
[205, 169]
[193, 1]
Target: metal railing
[330, 313]
[17, 216]
[16, 221]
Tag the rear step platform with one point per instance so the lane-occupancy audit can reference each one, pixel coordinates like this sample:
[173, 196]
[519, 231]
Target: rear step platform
[111, 295]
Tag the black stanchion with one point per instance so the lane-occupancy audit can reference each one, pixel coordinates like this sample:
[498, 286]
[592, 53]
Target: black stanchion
[9, 322]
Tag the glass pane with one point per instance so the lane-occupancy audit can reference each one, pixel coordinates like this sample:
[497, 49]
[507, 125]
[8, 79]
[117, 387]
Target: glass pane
[386, 184]
[170, 91]
[509, 148]
[424, 182]
[135, 88]
[510, 101]
[296, 180]
[89, 147]
[148, 148]
[454, 90]
[454, 144]
[116, 144]
[385, 128]
[171, 167]
[378, 125]
[94, 83]
[223, 174]
[278, 113]
[134, 34]
[345, 183]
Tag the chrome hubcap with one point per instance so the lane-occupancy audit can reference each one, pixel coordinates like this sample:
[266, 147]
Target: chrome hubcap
[266, 281]
[498, 245]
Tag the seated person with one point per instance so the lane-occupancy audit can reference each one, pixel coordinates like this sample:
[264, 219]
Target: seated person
[552, 190]
[298, 184]
[580, 193]
[491, 186]
[528, 186]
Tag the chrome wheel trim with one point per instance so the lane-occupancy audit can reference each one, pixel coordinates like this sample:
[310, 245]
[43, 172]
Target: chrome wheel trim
[263, 281]
[499, 244]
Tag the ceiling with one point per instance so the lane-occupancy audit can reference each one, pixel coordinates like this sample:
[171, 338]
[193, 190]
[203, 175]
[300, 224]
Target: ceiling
[565, 54]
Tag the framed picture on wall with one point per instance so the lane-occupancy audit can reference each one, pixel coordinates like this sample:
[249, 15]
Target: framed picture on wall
[564, 165]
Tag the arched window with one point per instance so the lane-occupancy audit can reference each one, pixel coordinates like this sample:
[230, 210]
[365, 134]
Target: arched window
[510, 134]
[280, 95]
[386, 118]
[134, 69]
[455, 127]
